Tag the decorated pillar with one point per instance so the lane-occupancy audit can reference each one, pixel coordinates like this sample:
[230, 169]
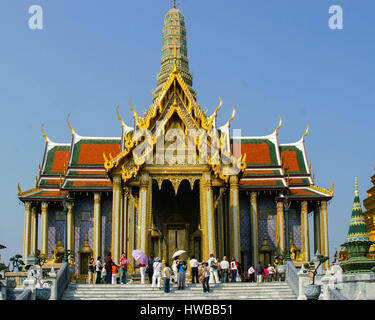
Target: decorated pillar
[44, 230]
[116, 211]
[125, 221]
[34, 230]
[280, 227]
[143, 221]
[235, 217]
[27, 231]
[317, 229]
[97, 225]
[254, 226]
[70, 231]
[305, 242]
[208, 205]
[220, 216]
[324, 232]
[131, 218]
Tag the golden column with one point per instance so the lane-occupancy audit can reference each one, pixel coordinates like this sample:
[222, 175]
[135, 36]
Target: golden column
[305, 231]
[280, 227]
[254, 226]
[27, 232]
[34, 230]
[203, 220]
[324, 232]
[317, 246]
[116, 211]
[143, 218]
[209, 215]
[70, 231]
[97, 225]
[44, 230]
[131, 234]
[125, 221]
[234, 217]
[220, 216]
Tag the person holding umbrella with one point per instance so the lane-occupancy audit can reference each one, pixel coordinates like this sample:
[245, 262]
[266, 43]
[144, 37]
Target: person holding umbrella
[140, 257]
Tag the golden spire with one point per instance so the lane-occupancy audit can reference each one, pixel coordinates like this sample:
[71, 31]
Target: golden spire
[305, 134]
[40, 168]
[118, 116]
[36, 180]
[43, 133]
[356, 192]
[19, 189]
[69, 126]
[279, 126]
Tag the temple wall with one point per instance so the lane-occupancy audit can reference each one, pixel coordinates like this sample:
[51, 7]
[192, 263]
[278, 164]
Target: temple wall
[245, 230]
[266, 220]
[295, 225]
[56, 224]
[83, 224]
[106, 209]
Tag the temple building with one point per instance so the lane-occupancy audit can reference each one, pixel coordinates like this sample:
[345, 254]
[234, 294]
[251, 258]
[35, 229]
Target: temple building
[157, 188]
[369, 214]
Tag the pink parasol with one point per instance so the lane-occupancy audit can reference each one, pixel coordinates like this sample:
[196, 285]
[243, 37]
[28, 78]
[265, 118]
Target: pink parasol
[140, 256]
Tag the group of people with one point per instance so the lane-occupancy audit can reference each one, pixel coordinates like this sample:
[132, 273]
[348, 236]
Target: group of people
[208, 272]
[107, 271]
[261, 274]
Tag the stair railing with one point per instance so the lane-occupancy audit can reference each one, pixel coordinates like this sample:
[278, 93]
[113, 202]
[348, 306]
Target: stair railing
[291, 277]
[62, 281]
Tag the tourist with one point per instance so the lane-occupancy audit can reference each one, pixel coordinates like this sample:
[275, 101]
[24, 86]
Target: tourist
[194, 270]
[224, 266]
[271, 272]
[150, 269]
[91, 271]
[167, 272]
[142, 271]
[205, 278]
[251, 274]
[219, 269]
[174, 269]
[234, 269]
[108, 267]
[98, 269]
[181, 268]
[156, 274]
[214, 276]
[265, 275]
[259, 272]
[114, 273]
[124, 269]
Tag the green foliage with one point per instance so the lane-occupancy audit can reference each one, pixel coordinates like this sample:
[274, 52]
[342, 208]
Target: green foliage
[311, 266]
[17, 262]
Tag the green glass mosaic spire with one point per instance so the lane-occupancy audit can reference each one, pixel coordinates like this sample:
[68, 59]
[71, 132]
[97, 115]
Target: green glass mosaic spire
[174, 34]
[357, 226]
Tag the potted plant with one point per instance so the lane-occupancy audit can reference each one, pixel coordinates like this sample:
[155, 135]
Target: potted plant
[312, 291]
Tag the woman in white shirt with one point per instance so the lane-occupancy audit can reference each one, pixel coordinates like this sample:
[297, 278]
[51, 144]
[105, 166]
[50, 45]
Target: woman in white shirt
[98, 270]
[156, 277]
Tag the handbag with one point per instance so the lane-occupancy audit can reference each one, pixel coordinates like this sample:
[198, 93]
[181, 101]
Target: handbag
[104, 272]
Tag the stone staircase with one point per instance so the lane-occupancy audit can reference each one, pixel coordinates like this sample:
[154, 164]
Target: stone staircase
[226, 291]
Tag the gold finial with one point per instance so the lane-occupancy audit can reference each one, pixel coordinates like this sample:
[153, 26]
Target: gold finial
[19, 189]
[279, 126]
[305, 134]
[134, 113]
[61, 181]
[43, 133]
[40, 168]
[332, 191]
[118, 117]
[69, 126]
[232, 117]
[313, 179]
[356, 192]
[36, 180]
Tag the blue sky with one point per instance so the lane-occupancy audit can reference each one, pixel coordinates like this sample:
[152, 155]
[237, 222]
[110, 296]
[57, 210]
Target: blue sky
[267, 58]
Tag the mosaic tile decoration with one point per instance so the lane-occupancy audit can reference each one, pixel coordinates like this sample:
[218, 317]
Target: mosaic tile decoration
[266, 211]
[245, 228]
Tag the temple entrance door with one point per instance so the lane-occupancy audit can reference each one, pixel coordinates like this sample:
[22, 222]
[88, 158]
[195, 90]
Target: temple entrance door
[175, 217]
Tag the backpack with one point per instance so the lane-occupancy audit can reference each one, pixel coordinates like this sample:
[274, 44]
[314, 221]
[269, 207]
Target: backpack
[213, 264]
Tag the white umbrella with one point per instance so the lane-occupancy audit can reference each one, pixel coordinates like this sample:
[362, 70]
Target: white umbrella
[178, 253]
